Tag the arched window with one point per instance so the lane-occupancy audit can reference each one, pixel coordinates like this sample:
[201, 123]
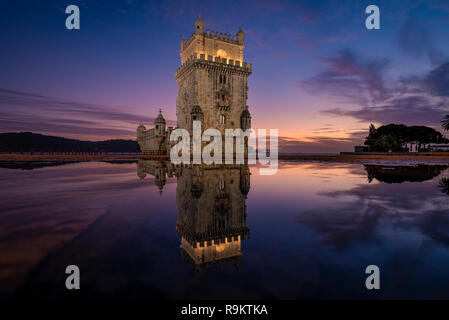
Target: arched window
[222, 119]
[222, 79]
[196, 189]
[245, 120]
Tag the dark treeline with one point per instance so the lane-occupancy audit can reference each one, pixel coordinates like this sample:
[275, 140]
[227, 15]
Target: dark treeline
[35, 143]
[392, 136]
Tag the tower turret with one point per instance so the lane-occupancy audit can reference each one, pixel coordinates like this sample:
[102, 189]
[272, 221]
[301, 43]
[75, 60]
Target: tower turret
[199, 26]
[183, 43]
[240, 36]
[140, 131]
[159, 124]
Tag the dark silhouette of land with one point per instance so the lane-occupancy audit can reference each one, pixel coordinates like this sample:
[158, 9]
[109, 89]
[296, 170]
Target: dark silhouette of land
[35, 143]
[27, 146]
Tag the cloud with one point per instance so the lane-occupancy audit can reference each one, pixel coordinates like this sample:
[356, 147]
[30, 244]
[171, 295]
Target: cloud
[23, 111]
[410, 110]
[348, 76]
[365, 207]
[416, 41]
[437, 81]
[411, 100]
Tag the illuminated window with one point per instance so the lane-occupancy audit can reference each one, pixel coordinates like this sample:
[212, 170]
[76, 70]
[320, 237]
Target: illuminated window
[221, 53]
[222, 119]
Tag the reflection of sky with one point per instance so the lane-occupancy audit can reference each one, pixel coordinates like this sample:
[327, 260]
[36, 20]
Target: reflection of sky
[313, 229]
[319, 76]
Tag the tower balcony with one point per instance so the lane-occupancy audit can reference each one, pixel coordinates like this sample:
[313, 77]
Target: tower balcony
[202, 61]
[223, 107]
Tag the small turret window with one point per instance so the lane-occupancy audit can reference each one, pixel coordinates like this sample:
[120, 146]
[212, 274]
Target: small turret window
[222, 119]
[222, 79]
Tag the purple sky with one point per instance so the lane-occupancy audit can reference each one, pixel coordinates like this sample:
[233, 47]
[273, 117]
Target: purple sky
[319, 75]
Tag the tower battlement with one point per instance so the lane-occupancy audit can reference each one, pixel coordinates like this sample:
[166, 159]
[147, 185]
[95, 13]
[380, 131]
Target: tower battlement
[213, 43]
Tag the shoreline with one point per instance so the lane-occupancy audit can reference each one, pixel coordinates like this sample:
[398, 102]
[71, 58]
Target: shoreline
[344, 157]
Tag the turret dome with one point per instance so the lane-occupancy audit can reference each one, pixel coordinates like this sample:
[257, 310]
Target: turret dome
[141, 126]
[159, 118]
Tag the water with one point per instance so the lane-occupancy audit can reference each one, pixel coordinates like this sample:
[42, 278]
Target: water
[146, 230]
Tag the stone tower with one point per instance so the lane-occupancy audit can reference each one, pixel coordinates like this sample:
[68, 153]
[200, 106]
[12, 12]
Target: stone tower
[212, 213]
[213, 81]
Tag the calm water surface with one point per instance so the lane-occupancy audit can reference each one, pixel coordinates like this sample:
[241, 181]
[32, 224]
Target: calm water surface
[147, 230]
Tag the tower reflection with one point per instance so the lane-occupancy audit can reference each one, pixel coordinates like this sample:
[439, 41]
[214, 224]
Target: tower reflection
[211, 203]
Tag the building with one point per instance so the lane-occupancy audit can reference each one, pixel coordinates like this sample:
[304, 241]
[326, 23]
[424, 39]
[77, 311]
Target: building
[211, 203]
[439, 147]
[212, 87]
[160, 170]
[155, 141]
[425, 147]
[212, 213]
[359, 149]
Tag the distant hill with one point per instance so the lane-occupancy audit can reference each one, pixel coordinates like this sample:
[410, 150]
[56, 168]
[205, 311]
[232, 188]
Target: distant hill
[28, 141]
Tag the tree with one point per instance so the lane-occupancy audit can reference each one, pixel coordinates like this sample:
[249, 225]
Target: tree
[372, 130]
[393, 136]
[444, 185]
[445, 123]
